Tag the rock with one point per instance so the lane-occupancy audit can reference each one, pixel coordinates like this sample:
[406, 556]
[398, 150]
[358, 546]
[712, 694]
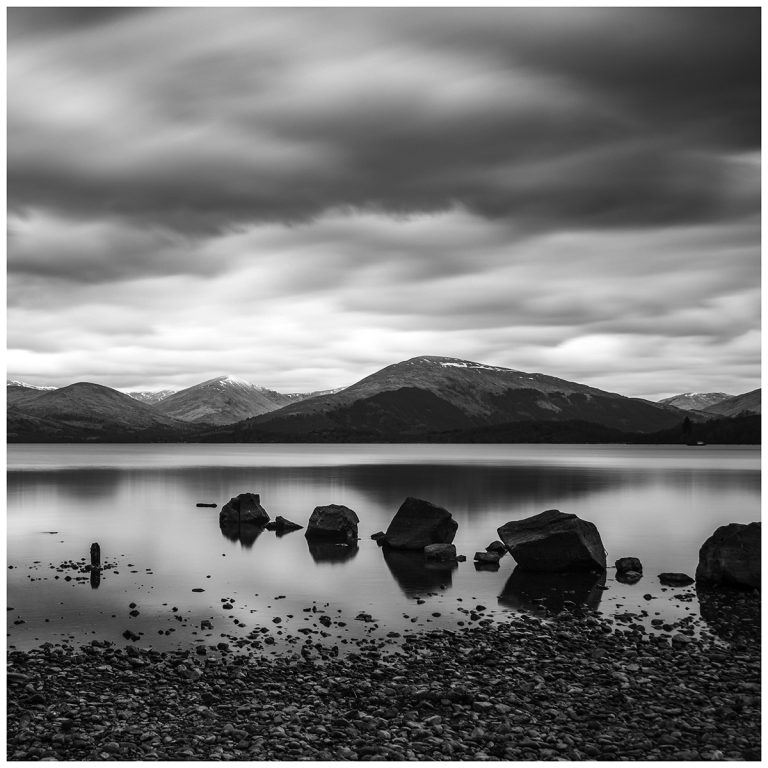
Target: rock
[333, 522]
[487, 557]
[419, 523]
[281, 525]
[554, 541]
[731, 557]
[440, 552]
[378, 537]
[461, 558]
[675, 579]
[244, 509]
[204, 504]
[625, 564]
[629, 577]
[497, 546]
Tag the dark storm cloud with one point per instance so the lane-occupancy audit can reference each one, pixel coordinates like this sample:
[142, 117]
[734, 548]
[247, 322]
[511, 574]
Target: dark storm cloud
[196, 119]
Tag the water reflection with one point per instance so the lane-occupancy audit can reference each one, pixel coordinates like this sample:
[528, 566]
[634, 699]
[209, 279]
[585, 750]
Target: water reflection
[245, 534]
[414, 575]
[331, 552]
[540, 592]
[95, 578]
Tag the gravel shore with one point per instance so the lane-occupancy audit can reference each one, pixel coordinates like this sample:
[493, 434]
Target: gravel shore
[573, 687]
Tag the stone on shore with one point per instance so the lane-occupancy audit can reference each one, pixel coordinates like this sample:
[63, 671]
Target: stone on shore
[245, 508]
[333, 522]
[440, 552]
[675, 579]
[554, 541]
[419, 523]
[730, 557]
[626, 564]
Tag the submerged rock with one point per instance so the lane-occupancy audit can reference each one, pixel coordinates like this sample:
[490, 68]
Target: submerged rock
[731, 557]
[487, 557]
[675, 579]
[419, 523]
[281, 525]
[629, 577]
[554, 541]
[333, 522]
[244, 508]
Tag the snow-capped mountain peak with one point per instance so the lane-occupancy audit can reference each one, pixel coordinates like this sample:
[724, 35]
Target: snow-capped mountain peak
[17, 383]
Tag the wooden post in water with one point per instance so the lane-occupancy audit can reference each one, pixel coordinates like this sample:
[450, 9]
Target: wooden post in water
[95, 555]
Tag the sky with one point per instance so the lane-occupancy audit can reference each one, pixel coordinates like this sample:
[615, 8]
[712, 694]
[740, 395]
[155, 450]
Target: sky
[300, 197]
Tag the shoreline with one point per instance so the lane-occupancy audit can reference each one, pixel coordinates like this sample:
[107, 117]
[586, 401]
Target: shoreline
[571, 687]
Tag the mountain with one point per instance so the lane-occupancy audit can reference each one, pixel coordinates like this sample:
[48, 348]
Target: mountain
[695, 401]
[220, 401]
[90, 408]
[151, 397]
[20, 391]
[427, 395]
[747, 403]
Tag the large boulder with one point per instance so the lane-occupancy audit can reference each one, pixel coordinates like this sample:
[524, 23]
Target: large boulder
[731, 557]
[333, 522]
[419, 523]
[244, 509]
[554, 541]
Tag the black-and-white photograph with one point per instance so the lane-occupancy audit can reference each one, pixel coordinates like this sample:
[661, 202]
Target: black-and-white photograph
[383, 383]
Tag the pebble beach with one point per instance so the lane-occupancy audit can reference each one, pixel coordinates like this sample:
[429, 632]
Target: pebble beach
[573, 686]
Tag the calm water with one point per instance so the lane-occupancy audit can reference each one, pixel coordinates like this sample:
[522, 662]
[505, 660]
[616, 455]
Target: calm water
[138, 502]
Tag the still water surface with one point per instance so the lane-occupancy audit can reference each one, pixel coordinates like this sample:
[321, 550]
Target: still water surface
[138, 502]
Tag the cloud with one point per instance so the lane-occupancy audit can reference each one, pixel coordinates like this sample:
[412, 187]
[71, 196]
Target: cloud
[197, 118]
[302, 196]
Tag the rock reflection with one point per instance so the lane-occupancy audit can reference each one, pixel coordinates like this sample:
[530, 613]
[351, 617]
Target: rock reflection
[245, 534]
[95, 578]
[331, 552]
[414, 575]
[548, 592]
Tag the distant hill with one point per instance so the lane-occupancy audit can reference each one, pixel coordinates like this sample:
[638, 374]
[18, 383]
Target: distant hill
[151, 397]
[89, 408]
[749, 402]
[695, 401]
[223, 400]
[425, 395]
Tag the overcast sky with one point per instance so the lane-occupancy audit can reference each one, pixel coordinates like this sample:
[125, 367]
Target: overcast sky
[300, 197]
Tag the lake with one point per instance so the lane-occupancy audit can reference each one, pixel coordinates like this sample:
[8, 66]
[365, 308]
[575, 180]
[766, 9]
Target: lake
[658, 503]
